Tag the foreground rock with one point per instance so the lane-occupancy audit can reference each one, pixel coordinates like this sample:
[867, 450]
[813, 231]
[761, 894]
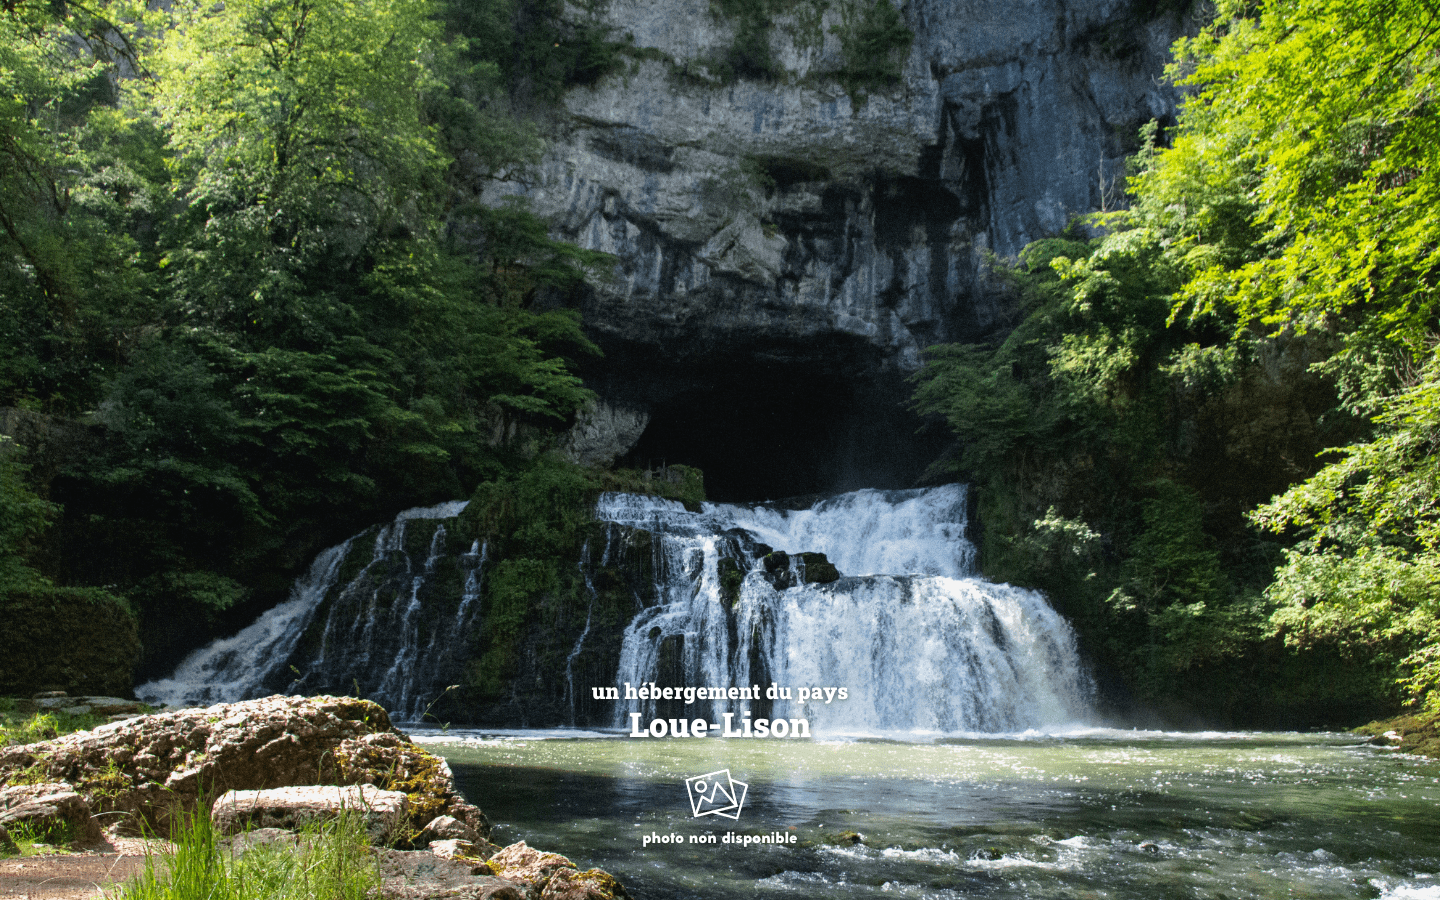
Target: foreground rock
[59, 701]
[143, 770]
[51, 811]
[518, 872]
[292, 808]
[274, 765]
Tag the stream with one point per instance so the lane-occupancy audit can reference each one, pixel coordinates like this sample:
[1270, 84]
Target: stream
[1091, 813]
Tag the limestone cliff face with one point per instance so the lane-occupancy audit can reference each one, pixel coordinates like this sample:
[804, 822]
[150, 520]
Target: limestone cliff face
[786, 222]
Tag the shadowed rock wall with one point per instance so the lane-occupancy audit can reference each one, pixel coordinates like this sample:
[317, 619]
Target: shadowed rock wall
[787, 223]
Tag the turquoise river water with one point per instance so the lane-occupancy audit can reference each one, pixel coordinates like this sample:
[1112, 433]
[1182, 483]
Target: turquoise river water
[1090, 814]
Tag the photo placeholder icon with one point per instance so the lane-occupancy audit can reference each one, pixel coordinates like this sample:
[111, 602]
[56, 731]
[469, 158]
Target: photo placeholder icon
[716, 794]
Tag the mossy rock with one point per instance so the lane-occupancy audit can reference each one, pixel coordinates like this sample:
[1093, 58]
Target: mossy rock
[1418, 733]
[731, 577]
[818, 569]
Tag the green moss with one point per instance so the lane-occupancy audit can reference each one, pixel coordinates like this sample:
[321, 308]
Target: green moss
[730, 580]
[818, 569]
[536, 598]
[1419, 733]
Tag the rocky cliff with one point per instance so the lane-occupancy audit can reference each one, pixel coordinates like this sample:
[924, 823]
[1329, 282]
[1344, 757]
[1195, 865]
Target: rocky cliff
[798, 207]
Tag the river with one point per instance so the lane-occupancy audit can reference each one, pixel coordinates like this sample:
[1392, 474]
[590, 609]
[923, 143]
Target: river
[1094, 813]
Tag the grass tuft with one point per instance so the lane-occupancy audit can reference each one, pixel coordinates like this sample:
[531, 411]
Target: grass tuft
[329, 860]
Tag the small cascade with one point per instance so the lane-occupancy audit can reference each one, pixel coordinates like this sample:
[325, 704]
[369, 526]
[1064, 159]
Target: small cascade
[235, 668]
[369, 619]
[585, 569]
[920, 643]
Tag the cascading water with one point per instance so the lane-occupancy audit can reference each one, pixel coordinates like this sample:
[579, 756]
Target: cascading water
[678, 598]
[364, 619]
[919, 642]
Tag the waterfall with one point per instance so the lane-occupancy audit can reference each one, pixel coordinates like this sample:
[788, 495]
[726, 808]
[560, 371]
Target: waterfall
[920, 642]
[730, 595]
[367, 619]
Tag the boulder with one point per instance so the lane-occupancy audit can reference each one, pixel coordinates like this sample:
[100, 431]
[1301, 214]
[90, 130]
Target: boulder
[52, 811]
[778, 571]
[816, 569]
[522, 863]
[570, 884]
[421, 875]
[448, 828]
[152, 765]
[246, 840]
[7, 843]
[784, 570]
[291, 808]
[94, 706]
[458, 849]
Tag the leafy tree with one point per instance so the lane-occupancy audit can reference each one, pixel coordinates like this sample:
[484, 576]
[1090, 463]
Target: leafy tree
[1270, 290]
[67, 193]
[1345, 185]
[23, 518]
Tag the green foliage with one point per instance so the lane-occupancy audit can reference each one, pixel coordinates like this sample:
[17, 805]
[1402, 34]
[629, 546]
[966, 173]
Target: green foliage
[23, 519]
[1342, 175]
[249, 267]
[1271, 279]
[1366, 571]
[536, 524]
[18, 727]
[875, 42]
[330, 859]
[1342, 172]
[96, 631]
[748, 56]
[540, 48]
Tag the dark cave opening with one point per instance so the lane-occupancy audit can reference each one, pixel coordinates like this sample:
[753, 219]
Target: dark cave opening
[765, 432]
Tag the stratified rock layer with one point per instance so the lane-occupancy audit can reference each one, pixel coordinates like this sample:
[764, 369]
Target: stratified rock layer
[769, 231]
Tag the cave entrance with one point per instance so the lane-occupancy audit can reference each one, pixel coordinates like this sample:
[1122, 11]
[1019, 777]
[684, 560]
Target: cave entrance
[764, 432]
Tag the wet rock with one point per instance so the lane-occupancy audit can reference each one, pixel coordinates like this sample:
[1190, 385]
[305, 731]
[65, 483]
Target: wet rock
[54, 811]
[785, 571]
[816, 569]
[777, 570]
[731, 577]
[845, 838]
[291, 808]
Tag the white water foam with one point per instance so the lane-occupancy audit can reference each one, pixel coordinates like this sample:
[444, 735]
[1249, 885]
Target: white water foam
[921, 644]
[235, 668]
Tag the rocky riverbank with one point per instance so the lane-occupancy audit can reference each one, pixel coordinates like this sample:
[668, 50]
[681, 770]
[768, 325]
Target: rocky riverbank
[1417, 733]
[141, 775]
